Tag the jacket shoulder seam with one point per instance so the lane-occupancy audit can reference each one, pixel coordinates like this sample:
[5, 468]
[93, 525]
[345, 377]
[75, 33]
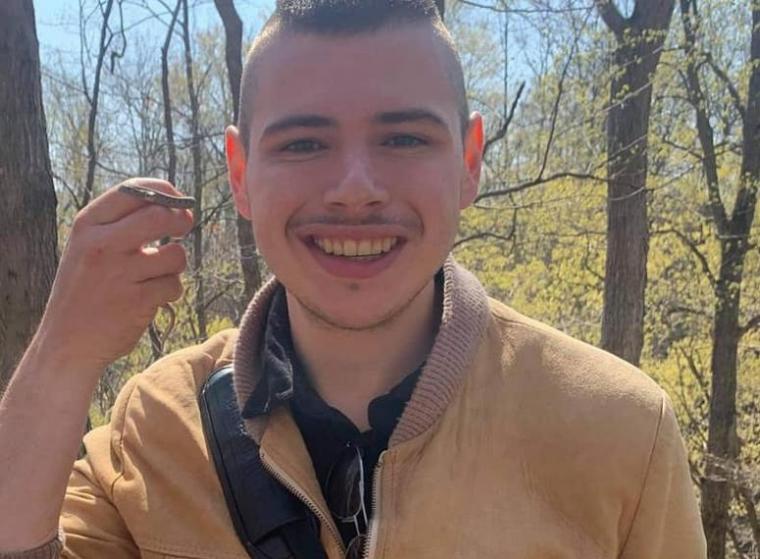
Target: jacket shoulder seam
[647, 472]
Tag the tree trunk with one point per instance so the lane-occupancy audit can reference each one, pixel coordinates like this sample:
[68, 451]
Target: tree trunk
[200, 297]
[722, 449]
[171, 172]
[639, 42]
[157, 340]
[233, 31]
[28, 234]
[733, 233]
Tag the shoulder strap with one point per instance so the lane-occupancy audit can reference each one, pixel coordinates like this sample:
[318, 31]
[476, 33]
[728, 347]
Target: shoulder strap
[269, 520]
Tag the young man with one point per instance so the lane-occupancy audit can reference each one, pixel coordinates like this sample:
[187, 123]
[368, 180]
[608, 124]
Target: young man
[407, 414]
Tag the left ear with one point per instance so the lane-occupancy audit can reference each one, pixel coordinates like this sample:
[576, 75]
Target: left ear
[236, 164]
[473, 160]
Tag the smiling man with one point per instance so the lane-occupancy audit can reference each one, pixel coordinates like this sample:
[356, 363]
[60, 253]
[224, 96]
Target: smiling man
[397, 410]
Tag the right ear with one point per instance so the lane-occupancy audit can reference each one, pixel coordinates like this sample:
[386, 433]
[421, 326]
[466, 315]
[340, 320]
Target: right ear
[236, 165]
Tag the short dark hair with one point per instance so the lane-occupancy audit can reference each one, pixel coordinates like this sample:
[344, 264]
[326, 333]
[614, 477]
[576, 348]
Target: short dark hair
[346, 18]
[350, 16]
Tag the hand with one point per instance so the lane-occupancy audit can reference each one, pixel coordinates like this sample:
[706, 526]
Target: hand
[109, 285]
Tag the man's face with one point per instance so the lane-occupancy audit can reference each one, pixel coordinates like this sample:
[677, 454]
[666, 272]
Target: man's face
[355, 149]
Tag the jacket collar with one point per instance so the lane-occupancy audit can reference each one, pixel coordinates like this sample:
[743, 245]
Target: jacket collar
[463, 321]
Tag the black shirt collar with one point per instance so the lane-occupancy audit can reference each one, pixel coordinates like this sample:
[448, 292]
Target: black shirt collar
[284, 380]
[277, 360]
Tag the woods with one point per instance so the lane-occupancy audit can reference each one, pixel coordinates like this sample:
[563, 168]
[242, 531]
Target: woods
[618, 200]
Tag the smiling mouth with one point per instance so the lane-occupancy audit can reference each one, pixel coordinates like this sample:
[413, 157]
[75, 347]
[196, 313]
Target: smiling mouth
[356, 249]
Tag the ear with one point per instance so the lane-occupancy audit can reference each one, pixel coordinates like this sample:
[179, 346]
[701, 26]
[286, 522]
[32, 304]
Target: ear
[236, 165]
[473, 160]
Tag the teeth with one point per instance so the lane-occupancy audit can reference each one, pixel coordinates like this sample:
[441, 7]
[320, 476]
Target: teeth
[364, 249]
[351, 247]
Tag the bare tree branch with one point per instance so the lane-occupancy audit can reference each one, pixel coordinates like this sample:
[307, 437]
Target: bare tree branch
[537, 181]
[166, 93]
[105, 41]
[611, 17]
[698, 375]
[483, 235]
[752, 323]
[502, 131]
[503, 9]
[738, 104]
[704, 128]
[555, 109]
[745, 496]
[746, 197]
[693, 249]
[688, 310]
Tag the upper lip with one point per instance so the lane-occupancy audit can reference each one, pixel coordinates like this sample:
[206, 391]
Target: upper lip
[355, 232]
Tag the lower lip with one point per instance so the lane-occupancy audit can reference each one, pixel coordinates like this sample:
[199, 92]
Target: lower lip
[347, 268]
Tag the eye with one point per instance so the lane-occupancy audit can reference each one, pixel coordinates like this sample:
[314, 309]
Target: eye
[405, 140]
[303, 146]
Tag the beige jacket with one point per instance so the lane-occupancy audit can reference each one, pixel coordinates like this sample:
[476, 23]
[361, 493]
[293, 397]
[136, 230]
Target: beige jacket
[518, 442]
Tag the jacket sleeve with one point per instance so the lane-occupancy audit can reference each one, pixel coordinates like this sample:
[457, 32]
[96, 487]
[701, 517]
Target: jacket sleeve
[667, 523]
[91, 524]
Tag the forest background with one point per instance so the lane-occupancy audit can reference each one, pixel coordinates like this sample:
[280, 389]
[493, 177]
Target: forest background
[617, 204]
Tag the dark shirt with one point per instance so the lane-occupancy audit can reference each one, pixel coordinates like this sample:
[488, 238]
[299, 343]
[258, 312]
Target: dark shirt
[326, 431]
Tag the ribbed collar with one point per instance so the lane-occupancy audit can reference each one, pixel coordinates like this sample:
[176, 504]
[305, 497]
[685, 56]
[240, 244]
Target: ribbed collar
[463, 320]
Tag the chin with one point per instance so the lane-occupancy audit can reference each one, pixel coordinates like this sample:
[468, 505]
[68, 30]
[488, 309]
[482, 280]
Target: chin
[352, 315]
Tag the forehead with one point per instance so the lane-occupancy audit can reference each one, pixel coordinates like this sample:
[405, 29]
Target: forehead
[352, 78]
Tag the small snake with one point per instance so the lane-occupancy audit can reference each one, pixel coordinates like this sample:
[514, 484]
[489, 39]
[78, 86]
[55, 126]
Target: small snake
[155, 197]
[158, 338]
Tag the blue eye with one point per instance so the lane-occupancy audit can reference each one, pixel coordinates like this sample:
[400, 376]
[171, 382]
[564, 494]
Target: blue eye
[405, 140]
[303, 146]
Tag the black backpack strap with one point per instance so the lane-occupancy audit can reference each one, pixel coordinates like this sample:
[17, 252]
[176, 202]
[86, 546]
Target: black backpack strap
[269, 520]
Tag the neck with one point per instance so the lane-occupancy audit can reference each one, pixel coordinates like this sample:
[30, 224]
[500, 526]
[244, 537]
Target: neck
[349, 368]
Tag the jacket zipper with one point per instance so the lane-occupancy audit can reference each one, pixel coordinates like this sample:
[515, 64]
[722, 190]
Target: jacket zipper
[291, 485]
[374, 512]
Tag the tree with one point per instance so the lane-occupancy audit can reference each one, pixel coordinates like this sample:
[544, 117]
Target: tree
[106, 38]
[171, 173]
[733, 228]
[233, 33]
[156, 339]
[28, 234]
[195, 149]
[639, 40]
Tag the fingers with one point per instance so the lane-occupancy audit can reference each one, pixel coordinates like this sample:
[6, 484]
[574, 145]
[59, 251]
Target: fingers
[112, 205]
[147, 224]
[161, 290]
[169, 259]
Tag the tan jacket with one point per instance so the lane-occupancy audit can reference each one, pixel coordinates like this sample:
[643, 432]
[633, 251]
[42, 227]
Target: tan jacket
[518, 442]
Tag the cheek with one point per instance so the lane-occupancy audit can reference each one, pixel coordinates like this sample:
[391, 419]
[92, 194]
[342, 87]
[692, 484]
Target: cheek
[274, 199]
[434, 192]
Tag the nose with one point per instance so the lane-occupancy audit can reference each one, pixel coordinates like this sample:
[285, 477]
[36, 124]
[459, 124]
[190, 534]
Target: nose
[357, 187]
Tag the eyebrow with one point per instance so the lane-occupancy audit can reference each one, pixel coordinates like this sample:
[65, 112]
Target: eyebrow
[299, 121]
[410, 115]
[318, 121]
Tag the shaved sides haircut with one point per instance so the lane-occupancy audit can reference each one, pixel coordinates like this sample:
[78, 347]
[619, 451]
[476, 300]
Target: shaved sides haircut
[344, 18]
